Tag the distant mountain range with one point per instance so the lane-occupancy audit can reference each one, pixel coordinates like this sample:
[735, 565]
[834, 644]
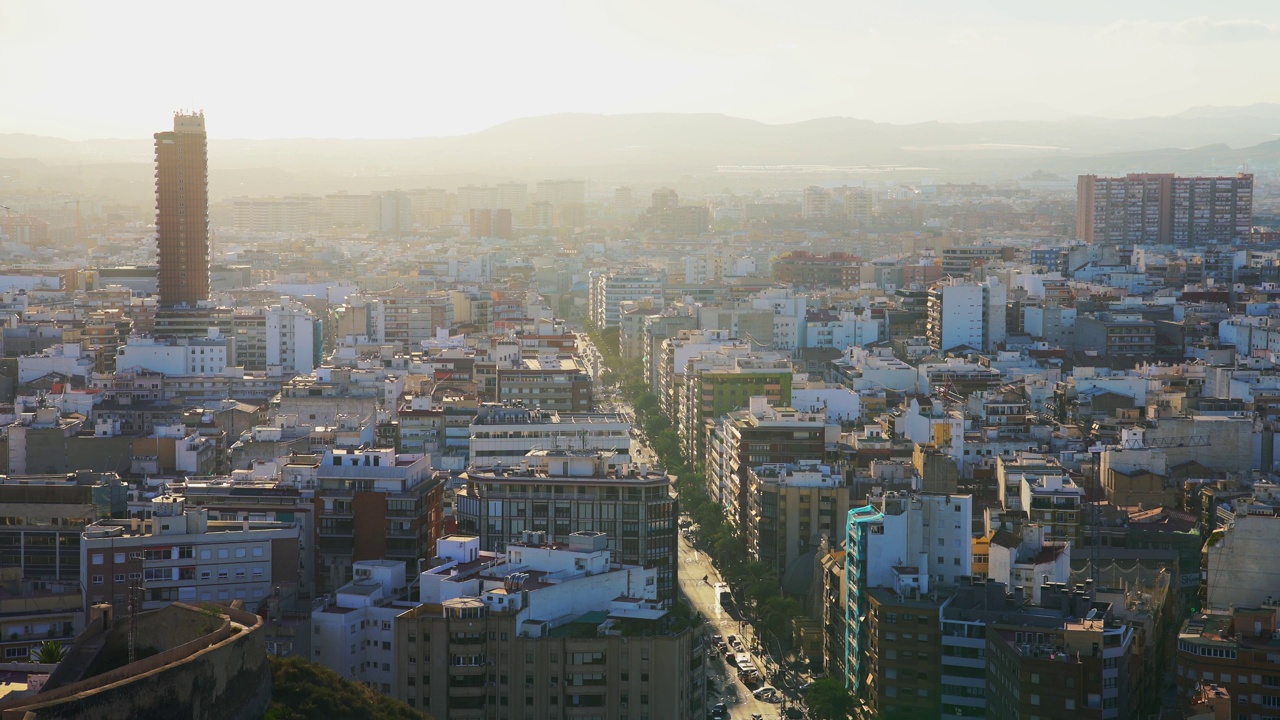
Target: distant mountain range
[1201, 139]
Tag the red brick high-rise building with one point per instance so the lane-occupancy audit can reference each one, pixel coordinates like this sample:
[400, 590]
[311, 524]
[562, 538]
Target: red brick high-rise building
[182, 211]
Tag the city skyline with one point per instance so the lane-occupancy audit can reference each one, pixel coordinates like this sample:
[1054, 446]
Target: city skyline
[395, 73]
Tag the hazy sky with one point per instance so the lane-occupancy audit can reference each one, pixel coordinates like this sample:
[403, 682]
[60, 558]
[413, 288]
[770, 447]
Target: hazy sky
[438, 67]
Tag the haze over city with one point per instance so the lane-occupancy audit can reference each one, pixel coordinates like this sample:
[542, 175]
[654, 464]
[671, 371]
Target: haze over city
[697, 360]
[394, 70]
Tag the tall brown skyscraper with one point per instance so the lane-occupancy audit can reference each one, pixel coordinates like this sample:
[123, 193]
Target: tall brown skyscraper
[182, 211]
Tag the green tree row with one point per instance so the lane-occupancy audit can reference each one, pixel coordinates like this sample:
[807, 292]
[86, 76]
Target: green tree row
[758, 584]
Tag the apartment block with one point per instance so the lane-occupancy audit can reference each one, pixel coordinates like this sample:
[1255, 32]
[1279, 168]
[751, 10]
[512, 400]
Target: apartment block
[209, 355]
[790, 508]
[608, 290]
[370, 504]
[545, 630]
[968, 314]
[558, 383]
[1152, 208]
[904, 542]
[718, 382]
[179, 554]
[182, 211]
[759, 434]
[41, 519]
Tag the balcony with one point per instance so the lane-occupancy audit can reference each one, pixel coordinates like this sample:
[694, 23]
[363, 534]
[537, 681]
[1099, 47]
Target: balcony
[466, 691]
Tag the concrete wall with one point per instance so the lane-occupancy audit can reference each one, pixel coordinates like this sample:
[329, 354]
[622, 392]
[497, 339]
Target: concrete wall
[1242, 570]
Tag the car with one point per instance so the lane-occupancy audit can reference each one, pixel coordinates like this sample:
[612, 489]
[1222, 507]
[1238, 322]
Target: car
[768, 694]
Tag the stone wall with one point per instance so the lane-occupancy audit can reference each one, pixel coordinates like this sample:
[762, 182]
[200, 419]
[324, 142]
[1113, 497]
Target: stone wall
[222, 675]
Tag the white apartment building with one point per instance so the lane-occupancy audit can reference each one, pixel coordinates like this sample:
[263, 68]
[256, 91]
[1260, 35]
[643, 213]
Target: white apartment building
[970, 314]
[273, 215]
[864, 370]
[607, 291]
[1026, 562]
[930, 532]
[176, 356]
[68, 359]
[353, 631]
[179, 554]
[292, 338]
[822, 330]
[503, 434]
[674, 357]
[284, 336]
[540, 584]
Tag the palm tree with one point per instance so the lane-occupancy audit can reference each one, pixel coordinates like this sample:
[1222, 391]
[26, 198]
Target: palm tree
[49, 653]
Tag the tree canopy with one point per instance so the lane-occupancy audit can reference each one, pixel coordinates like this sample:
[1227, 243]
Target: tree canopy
[306, 691]
[828, 699]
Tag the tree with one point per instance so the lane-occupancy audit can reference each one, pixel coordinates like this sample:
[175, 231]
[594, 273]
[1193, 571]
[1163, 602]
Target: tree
[776, 612]
[829, 700]
[305, 691]
[50, 652]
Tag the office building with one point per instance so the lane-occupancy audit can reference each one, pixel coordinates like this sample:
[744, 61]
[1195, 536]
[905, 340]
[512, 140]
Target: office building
[182, 211]
[1161, 208]
[562, 492]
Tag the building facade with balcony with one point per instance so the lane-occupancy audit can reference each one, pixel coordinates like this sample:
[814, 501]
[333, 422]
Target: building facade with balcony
[371, 504]
[545, 630]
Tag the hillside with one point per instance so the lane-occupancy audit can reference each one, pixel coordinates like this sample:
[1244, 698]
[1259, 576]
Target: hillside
[639, 147]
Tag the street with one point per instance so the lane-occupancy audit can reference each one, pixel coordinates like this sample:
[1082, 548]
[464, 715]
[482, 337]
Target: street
[694, 564]
[704, 597]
